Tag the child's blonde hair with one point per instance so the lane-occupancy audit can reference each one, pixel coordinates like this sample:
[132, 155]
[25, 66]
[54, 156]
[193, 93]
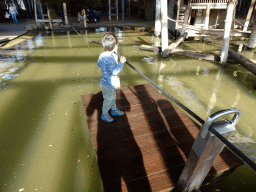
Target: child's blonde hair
[109, 41]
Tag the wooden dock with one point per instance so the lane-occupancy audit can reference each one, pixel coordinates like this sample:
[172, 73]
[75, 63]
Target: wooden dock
[147, 148]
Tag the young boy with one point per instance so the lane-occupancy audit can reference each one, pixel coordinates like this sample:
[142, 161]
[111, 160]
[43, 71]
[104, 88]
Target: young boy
[109, 69]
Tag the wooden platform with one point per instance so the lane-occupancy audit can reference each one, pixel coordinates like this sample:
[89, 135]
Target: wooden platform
[147, 148]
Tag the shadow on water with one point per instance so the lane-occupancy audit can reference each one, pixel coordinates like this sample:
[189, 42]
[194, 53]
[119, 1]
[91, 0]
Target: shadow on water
[119, 156]
[19, 123]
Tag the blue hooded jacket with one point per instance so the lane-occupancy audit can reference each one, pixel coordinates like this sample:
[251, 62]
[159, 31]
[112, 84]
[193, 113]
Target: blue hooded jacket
[109, 69]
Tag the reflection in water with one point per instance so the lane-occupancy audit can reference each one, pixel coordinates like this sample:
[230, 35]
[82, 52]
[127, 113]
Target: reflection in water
[149, 60]
[191, 101]
[215, 89]
[69, 40]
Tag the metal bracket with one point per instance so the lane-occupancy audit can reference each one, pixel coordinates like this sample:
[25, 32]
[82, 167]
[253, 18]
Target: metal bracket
[221, 126]
[213, 117]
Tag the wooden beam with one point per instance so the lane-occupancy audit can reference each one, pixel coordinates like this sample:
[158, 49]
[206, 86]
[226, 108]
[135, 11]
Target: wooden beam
[248, 18]
[187, 13]
[169, 49]
[251, 66]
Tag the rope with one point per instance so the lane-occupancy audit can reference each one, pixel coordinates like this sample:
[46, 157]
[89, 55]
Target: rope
[224, 140]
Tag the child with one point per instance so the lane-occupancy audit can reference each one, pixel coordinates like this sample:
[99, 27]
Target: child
[109, 69]
[79, 17]
[7, 17]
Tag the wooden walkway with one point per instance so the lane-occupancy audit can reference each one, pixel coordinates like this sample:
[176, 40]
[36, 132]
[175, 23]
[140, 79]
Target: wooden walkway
[147, 148]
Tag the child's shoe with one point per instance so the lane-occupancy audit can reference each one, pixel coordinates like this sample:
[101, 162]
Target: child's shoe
[117, 112]
[107, 118]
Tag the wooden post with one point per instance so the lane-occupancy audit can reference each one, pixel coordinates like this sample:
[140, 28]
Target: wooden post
[187, 13]
[169, 49]
[158, 18]
[109, 9]
[207, 17]
[206, 149]
[49, 17]
[84, 18]
[226, 36]
[65, 13]
[248, 18]
[164, 33]
[35, 10]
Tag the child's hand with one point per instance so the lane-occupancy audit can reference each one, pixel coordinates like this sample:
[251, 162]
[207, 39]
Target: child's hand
[123, 59]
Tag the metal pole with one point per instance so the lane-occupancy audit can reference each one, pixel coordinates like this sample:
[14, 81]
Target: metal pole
[164, 33]
[226, 36]
[158, 18]
[109, 9]
[116, 9]
[122, 9]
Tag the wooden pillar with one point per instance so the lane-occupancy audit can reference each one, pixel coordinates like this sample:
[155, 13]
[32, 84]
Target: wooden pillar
[84, 18]
[248, 18]
[226, 36]
[164, 32]
[207, 17]
[109, 10]
[205, 150]
[49, 18]
[35, 10]
[122, 9]
[158, 18]
[65, 13]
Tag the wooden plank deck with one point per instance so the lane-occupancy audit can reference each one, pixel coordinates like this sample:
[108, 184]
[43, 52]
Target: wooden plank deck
[147, 148]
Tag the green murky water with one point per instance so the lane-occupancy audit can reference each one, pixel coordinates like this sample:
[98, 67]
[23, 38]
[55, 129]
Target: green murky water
[45, 145]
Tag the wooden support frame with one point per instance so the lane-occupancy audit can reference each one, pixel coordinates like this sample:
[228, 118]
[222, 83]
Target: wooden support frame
[206, 149]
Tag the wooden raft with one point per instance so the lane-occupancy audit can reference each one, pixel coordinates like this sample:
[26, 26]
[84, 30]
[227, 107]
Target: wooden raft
[147, 148]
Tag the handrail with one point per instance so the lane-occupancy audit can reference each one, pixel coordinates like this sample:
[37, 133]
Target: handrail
[200, 120]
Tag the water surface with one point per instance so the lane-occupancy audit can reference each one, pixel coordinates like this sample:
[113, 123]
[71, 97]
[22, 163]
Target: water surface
[45, 144]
